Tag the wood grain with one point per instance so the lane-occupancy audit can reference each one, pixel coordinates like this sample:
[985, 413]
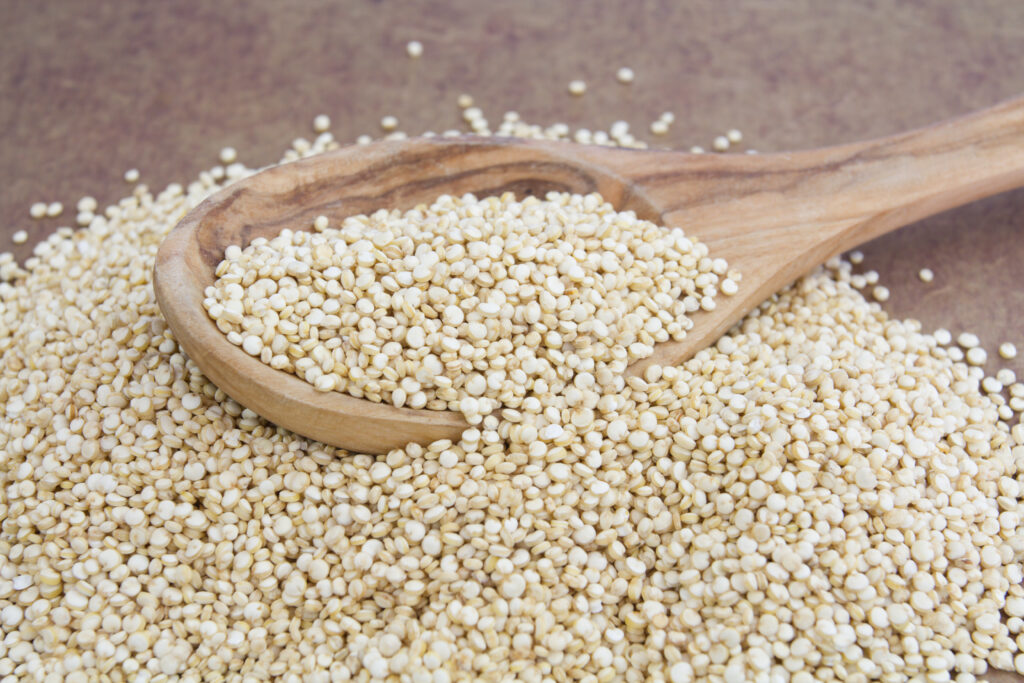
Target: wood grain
[773, 217]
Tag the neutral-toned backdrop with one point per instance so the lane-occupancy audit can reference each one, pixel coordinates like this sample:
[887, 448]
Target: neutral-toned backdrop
[90, 88]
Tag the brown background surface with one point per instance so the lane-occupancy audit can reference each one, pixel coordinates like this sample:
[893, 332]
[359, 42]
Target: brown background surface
[91, 88]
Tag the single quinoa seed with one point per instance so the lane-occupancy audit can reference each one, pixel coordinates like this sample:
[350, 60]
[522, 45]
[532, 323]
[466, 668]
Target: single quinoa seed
[321, 123]
[976, 355]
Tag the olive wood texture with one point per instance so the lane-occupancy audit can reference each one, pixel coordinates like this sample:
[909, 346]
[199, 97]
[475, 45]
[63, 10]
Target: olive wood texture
[774, 217]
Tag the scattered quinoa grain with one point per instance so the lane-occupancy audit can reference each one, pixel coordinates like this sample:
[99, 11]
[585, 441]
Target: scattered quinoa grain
[720, 143]
[968, 340]
[577, 87]
[20, 237]
[389, 123]
[37, 210]
[87, 204]
[131, 175]
[926, 275]
[880, 293]
[976, 355]
[228, 155]
[625, 75]
[991, 385]
[414, 49]
[321, 123]
[1007, 350]
[54, 209]
[734, 136]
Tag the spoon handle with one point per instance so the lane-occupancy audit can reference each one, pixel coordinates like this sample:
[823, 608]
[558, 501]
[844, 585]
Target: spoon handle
[817, 203]
[774, 217]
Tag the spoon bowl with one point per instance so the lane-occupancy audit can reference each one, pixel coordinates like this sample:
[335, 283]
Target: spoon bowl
[773, 217]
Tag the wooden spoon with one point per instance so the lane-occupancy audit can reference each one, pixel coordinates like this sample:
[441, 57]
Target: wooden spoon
[774, 217]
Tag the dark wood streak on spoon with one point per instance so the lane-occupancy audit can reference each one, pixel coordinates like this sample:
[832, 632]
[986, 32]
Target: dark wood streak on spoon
[774, 217]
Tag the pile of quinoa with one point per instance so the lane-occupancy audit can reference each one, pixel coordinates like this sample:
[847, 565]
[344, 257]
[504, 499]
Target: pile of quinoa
[825, 494]
[467, 304]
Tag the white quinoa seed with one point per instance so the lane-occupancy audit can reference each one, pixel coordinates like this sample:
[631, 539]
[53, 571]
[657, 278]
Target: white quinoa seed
[321, 123]
[20, 237]
[968, 340]
[131, 175]
[991, 385]
[625, 75]
[87, 204]
[976, 355]
[1007, 350]
[926, 275]
[822, 495]
[37, 210]
[577, 87]
[54, 209]
[414, 49]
